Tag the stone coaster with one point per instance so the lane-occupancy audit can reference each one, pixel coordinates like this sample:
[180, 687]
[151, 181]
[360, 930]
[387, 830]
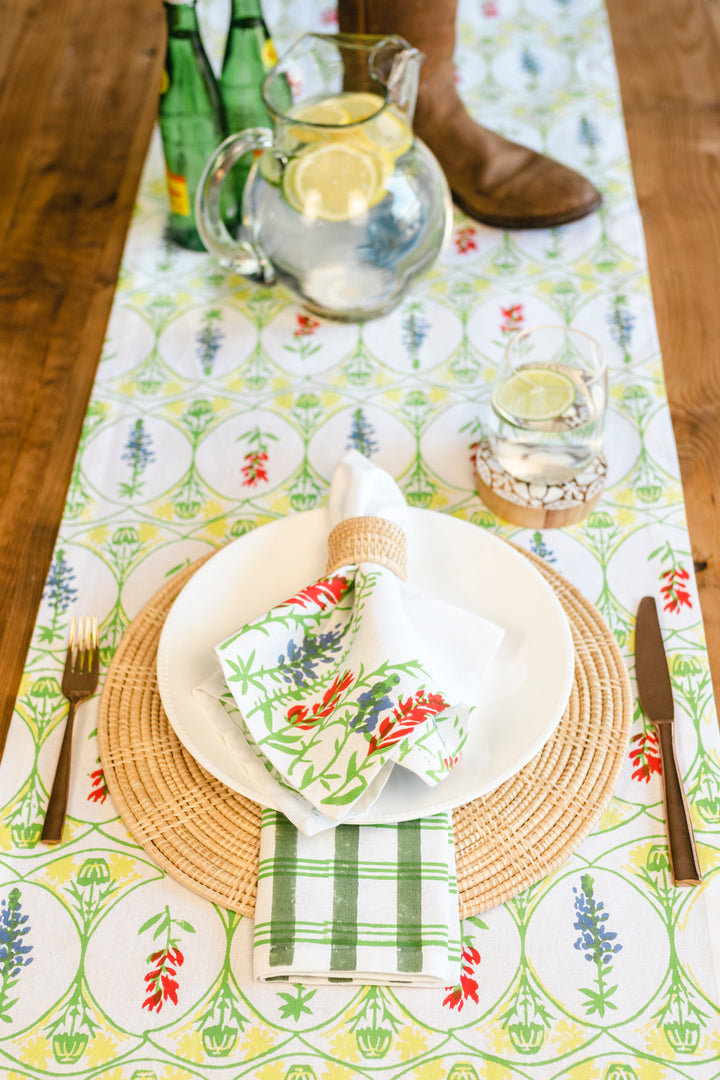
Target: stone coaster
[536, 506]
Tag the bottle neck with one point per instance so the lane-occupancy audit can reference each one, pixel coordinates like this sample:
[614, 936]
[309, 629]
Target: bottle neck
[181, 16]
[246, 9]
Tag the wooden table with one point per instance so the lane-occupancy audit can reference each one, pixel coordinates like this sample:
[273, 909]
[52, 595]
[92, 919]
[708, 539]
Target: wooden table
[78, 97]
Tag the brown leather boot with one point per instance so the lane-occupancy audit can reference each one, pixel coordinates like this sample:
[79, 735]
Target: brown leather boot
[491, 179]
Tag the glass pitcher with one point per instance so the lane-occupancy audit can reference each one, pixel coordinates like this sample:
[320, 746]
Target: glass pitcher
[343, 203]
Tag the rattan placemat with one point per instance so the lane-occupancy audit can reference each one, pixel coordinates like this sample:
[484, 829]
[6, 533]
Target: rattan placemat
[207, 836]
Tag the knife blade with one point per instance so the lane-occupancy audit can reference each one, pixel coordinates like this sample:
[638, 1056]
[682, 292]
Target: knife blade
[656, 698]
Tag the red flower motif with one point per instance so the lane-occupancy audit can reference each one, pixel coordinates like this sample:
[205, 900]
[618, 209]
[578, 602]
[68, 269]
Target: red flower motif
[324, 592]
[99, 791]
[254, 471]
[451, 762]
[306, 718]
[160, 984]
[489, 9]
[465, 239]
[673, 590]
[406, 716]
[306, 325]
[329, 17]
[645, 755]
[513, 318]
[467, 988]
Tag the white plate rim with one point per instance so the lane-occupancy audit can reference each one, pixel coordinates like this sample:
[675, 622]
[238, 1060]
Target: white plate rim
[183, 716]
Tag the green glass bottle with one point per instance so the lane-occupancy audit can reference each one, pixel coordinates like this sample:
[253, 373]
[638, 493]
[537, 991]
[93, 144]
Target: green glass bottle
[249, 55]
[192, 119]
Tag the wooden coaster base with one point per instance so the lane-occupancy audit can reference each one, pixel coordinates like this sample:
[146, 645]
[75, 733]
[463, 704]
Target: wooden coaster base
[536, 506]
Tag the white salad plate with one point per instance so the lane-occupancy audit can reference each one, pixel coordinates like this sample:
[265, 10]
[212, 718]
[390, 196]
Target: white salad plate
[520, 699]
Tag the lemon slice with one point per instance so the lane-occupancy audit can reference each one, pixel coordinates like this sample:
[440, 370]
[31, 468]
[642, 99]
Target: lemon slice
[389, 131]
[359, 105]
[327, 111]
[334, 181]
[536, 393]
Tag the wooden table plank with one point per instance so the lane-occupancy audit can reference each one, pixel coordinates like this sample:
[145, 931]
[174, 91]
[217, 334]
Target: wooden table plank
[78, 96]
[78, 99]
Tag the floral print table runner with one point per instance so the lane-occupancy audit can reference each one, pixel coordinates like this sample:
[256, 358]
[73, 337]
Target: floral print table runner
[220, 406]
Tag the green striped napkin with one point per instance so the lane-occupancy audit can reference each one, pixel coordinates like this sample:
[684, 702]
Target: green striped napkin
[363, 904]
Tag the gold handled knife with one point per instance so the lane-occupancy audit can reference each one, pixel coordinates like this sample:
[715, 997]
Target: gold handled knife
[656, 698]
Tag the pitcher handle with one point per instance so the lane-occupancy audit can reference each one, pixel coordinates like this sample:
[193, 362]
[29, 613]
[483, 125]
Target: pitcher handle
[241, 255]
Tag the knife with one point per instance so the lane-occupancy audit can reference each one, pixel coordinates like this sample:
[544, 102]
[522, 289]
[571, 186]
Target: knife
[656, 698]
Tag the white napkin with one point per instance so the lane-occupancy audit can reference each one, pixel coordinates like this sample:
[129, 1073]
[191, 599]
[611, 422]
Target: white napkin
[359, 669]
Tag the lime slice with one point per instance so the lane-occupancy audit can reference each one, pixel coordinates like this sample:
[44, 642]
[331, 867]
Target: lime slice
[536, 393]
[334, 181]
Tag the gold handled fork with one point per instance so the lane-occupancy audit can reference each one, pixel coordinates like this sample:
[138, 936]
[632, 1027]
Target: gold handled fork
[79, 682]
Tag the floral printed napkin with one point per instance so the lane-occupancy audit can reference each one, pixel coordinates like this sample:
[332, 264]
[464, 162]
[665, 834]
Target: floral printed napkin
[358, 669]
[363, 904]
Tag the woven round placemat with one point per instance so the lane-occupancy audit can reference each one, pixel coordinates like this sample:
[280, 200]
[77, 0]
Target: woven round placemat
[207, 836]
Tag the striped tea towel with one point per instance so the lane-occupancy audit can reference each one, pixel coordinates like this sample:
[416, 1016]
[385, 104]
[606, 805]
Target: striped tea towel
[361, 904]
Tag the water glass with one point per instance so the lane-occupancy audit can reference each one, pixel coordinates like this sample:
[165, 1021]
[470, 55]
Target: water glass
[548, 404]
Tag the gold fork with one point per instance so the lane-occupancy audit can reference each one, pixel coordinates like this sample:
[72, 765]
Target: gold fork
[79, 682]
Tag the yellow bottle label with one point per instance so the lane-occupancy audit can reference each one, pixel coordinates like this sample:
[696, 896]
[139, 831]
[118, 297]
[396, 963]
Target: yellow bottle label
[268, 55]
[178, 192]
[164, 81]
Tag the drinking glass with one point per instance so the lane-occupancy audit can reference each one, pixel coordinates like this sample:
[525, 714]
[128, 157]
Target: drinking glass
[548, 404]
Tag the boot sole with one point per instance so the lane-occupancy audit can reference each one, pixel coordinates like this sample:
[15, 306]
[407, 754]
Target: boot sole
[549, 221]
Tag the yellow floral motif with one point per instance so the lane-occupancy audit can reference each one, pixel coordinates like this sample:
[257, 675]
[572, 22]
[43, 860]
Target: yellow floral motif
[190, 1047]
[121, 867]
[212, 509]
[35, 1051]
[171, 1072]
[586, 1070]
[146, 531]
[280, 505]
[657, 1043]
[344, 1045]
[499, 1040]
[626, 516]
[566, 1036]
[431, 1070]
[612, 816]
[164, 511]
[99, 535]
[410, 1043]
[100, 1049]
[172, 387]
[336, 1071]
[495, 1070]
[274, 1070]
[61, 870]
[218, 527]
[638, 856]
[256, 1042]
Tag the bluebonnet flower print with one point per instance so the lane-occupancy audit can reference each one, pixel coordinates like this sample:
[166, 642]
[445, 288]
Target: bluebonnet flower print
[60, 592]
[589, 136]
[530, 65]
[298, 665]
[372, 702]
[208, 340]
[362, 435]
[540, 548]
[622, 323]
[139, 454]
[415, 329]
[14, 951]
[597, 942]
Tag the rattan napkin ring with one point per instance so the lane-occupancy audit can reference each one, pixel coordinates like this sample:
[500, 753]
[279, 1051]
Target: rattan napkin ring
[368, 540]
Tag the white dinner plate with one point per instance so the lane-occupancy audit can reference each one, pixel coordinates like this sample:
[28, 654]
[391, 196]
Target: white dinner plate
[522, 696]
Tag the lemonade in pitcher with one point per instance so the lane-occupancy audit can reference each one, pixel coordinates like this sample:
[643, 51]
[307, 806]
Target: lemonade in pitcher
[343, 204]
